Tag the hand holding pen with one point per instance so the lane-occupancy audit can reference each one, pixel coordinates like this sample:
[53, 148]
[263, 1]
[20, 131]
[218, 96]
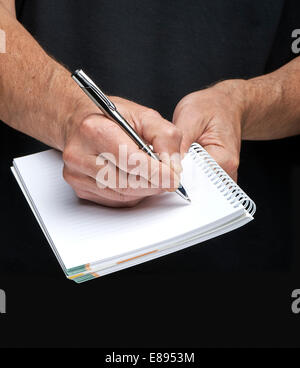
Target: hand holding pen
[90, 133]
[109, 109]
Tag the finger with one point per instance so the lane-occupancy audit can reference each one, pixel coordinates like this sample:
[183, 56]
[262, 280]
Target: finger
[229, 161]
[185, 145]
[190, 123]
[132, 184]
[163, 136]
[148, 124]
[105, 201]
[115, 145]
[81, 183]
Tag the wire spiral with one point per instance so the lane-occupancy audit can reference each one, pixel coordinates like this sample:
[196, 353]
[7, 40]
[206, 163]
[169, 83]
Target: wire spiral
[231, 191]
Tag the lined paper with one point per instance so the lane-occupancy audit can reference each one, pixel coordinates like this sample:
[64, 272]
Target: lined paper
[83, 232]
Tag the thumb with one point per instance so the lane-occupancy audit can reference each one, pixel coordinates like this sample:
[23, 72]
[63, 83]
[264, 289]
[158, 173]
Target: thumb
[164, 137]
[190, 124]
[186, 143]
[229, 161]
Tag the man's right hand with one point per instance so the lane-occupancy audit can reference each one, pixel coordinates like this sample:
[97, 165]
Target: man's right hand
[87, 138]
[63, 117]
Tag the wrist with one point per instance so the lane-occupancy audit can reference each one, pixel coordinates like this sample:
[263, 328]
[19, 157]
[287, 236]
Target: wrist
[77, 108]
[239, 91]
[264, 96]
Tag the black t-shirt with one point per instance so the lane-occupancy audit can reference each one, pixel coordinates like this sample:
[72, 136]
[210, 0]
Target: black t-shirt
[154, 52]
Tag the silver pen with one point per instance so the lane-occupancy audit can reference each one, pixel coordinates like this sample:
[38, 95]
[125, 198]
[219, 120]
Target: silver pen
[110, 110]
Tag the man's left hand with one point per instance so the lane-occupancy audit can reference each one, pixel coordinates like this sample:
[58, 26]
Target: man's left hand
[213, 117]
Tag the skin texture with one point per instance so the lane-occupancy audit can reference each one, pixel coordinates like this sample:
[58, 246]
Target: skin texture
[262, 108]
[63, 117]
[219, 117]
[9, 5]
[212, 117]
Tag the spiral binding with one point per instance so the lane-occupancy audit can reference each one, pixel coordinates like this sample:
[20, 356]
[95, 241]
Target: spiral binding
[221, 179]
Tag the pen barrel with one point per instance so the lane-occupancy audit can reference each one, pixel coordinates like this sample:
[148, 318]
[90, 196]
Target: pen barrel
[109, 110]
[113, 114]
[149, 152]
[128, 129]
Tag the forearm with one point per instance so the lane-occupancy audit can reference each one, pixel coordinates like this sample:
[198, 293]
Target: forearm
[38, 97]
[9, 5]
[272, 104]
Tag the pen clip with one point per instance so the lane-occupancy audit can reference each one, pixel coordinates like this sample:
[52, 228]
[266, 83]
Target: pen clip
[86, 83]
[102, 96]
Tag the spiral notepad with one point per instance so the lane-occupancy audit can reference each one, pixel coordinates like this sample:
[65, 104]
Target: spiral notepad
[91, 241]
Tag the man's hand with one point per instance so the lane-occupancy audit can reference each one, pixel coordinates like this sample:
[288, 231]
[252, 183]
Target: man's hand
[262, 108]
[88, 137]
[212, 117]
[50, 107]
[266, 107]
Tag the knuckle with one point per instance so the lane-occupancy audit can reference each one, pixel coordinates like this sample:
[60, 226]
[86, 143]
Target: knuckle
[87, 126]
[66, 175]
[68, 155]
[173, 133]
[151, 114]
[72, 179]
[231, 164]
[71, 159]
[81, 194]
[107, 129]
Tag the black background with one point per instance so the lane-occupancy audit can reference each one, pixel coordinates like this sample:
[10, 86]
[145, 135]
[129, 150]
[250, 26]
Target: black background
[234, 290]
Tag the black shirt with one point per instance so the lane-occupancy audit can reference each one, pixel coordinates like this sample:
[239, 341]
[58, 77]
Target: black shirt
[155, 52]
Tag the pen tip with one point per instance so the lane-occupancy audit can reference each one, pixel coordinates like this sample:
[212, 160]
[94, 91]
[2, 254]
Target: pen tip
[182, 192]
